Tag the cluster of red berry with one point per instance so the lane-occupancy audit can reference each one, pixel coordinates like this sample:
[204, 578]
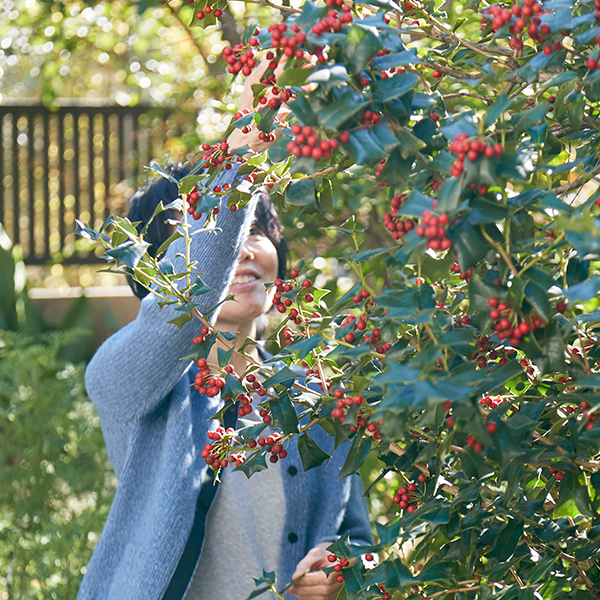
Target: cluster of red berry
[484, 353]
[363, 295]
[288, 43]
[394, 222]
[239, 58]
[433, 227]
[406, 497]
[285, 304]
[306, 143]
[209, 9]
[342, 402]
[192, 201]
[340, 563]
[370, 117]
[490, 402]
[255, 384]
[466, 276]
[215, 454]
[380, 168]
[526, 18]
[245, 407]
[591, 418]
[592, 63]
[217, 154]
[471, 150]
[200, 339]
[501, 313]
[205, 383]
[557, 474]
[275, 447]
[334, 21]
[474, 443]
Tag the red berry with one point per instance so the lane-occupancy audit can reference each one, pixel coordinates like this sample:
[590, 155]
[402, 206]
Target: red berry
[492, 427]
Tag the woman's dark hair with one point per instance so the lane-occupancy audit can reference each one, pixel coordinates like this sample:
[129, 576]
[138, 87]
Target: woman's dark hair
[145, 201]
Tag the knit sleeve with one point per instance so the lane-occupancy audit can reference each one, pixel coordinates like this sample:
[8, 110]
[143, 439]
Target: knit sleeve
[356, 517]
[140, 364]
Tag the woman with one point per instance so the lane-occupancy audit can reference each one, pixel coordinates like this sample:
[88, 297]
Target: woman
[171, 533]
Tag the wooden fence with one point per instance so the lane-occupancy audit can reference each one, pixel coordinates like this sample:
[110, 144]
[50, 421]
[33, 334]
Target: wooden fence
[79, 162]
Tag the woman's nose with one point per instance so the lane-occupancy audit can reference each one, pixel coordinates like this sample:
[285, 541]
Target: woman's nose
[246, 253]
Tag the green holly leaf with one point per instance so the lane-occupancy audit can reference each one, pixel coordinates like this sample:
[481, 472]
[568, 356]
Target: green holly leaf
[359, 47]
[311, 453]
[285, 414]
[359, 450]
[301, 192]
[388, 89]
[254, 463]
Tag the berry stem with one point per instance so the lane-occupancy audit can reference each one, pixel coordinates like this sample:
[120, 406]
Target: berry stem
[502, 252]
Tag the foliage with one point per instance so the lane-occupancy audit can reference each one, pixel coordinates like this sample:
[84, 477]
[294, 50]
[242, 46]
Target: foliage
[56, 486]
[469, 364]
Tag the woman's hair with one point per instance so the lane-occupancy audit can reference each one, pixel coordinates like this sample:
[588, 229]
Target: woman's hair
[145, 201]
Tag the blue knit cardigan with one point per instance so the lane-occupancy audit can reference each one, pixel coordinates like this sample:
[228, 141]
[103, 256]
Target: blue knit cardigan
[155, 424]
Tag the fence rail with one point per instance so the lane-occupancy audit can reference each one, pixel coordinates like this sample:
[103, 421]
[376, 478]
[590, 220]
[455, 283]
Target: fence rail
[79, 162]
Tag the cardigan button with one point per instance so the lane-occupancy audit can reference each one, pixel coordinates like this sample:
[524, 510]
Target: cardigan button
[292, 538]
[292, 470]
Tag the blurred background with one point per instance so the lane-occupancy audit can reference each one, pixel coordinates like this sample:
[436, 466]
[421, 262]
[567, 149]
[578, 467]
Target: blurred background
[90, 94]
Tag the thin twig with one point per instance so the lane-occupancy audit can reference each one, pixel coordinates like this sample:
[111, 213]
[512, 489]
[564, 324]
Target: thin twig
[467, 589]
[571, 560]
[502, 252]
[517, 578]
[485, 99]
[287, 9]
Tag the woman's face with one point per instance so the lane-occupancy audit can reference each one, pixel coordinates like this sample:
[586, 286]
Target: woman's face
[257, 265]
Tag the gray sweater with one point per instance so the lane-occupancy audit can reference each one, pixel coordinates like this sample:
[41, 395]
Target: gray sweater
[155, 426]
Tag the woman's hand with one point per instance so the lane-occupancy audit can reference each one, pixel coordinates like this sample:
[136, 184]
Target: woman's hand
[315, 585]
[237, 139]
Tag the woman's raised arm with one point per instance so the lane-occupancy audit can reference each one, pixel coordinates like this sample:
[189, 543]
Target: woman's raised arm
[140, 364]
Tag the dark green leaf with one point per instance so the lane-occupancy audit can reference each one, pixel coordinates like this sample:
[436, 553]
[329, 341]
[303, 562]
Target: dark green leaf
[508, 540]
[387, 89]
[284, 413]
[397, 59]
[583, 291]
[365, 148]
[538, 298]
[343, 109]
[311, 453]
[284, 377]
[468, 245]
[359, 47]
[361, 445]
[301, 192]
[502, 104]
[127, 254]
[254, 463]
[396, 170]
[294, 76]
[575, 107]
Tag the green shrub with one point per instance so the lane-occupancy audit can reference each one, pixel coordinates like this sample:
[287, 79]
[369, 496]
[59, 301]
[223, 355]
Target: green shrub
[56, 485]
